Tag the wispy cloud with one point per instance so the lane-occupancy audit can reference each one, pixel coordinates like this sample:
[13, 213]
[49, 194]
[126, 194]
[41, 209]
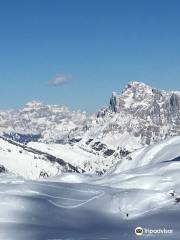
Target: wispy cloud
[60, 79]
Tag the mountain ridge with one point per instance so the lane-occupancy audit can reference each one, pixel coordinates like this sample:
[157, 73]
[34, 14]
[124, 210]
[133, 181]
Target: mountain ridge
[141, 112]
[138, 117]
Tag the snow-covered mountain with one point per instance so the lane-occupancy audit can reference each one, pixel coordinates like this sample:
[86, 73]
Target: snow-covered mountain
[140, 116]
[37, 121]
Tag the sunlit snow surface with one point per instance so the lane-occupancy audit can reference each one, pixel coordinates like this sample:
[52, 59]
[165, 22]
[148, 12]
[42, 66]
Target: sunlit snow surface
[60, 210]
[86, 207]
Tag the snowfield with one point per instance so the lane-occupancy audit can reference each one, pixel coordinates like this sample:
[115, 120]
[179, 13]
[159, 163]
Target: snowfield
[58, 210]
[142, 190]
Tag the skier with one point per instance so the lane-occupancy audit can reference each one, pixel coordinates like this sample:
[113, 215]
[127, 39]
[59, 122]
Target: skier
[126, 214]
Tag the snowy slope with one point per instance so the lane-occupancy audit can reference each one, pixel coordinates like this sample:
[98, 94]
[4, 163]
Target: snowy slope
[91, 160]
[86, 207]
[144, 180]
[31, 163]
[56, 210]
[162, 152]
[135, 191]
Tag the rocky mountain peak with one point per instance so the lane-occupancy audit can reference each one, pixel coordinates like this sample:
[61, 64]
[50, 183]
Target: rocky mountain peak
[143, 112]
[137, 85]
[139, 96]
[134, 92]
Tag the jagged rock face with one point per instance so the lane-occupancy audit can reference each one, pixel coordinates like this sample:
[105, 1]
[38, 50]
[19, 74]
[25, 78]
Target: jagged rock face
[142, 112]
[140, 99]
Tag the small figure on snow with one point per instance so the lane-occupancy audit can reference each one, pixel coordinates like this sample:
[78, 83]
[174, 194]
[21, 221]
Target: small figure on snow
[124, 213]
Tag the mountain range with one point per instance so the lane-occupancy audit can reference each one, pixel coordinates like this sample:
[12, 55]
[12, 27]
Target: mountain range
[138, 117]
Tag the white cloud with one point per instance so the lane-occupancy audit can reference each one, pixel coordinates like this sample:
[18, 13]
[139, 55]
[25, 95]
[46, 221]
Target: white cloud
[60, 79]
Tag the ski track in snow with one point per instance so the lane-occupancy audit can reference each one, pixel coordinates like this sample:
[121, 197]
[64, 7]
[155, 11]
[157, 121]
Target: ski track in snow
[79, 207]
[33, 202]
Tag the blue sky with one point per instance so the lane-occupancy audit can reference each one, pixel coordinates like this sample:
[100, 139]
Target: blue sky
[76, 52]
